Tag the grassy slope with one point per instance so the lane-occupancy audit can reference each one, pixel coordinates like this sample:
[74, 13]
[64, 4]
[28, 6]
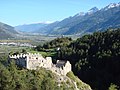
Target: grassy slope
[81, 85]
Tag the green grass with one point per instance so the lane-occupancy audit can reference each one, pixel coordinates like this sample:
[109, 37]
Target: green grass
[72, 76]
[4, 49]
[8, 49]
[80, 84]
[16, 41]
[43, 53]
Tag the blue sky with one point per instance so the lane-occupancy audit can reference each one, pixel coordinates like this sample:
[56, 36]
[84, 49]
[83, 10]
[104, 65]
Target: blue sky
[17, 12]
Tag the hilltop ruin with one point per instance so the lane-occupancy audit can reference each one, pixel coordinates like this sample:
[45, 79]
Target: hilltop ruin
[33, 61]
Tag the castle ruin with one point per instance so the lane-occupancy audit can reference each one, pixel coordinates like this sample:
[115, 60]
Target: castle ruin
[33, 61]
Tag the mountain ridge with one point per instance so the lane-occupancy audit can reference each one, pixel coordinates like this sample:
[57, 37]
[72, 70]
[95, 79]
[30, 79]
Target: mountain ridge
[82, 23]
[7, 31]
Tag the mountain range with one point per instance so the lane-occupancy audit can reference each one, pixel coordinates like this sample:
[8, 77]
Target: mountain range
[81, 23]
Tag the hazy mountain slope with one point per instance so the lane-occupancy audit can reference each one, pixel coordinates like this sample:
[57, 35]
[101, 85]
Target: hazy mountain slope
[30, 27]
[7, 31]
[47, 29]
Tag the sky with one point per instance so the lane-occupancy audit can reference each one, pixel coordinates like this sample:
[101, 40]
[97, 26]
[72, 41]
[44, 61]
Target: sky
[19, 12]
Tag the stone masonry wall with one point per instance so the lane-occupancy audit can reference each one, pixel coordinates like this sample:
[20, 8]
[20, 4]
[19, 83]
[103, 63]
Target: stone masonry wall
[34, 61]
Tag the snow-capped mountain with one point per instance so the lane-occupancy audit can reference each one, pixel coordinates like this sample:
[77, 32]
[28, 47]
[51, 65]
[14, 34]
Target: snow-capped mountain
[91, 11]
[82, 23]
[112, 5]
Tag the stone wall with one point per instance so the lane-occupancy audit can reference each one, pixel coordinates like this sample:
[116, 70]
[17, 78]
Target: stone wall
[63, 69]
[34, 61]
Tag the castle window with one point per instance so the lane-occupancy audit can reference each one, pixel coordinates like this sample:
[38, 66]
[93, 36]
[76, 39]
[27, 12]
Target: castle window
[36, 58]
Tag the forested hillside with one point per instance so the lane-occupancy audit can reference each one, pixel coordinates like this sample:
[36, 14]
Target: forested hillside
[13, 77]
[95, 58]
[59, 42]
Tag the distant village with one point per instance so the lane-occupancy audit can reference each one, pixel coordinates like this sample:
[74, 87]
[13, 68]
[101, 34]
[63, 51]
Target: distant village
[16, 44]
